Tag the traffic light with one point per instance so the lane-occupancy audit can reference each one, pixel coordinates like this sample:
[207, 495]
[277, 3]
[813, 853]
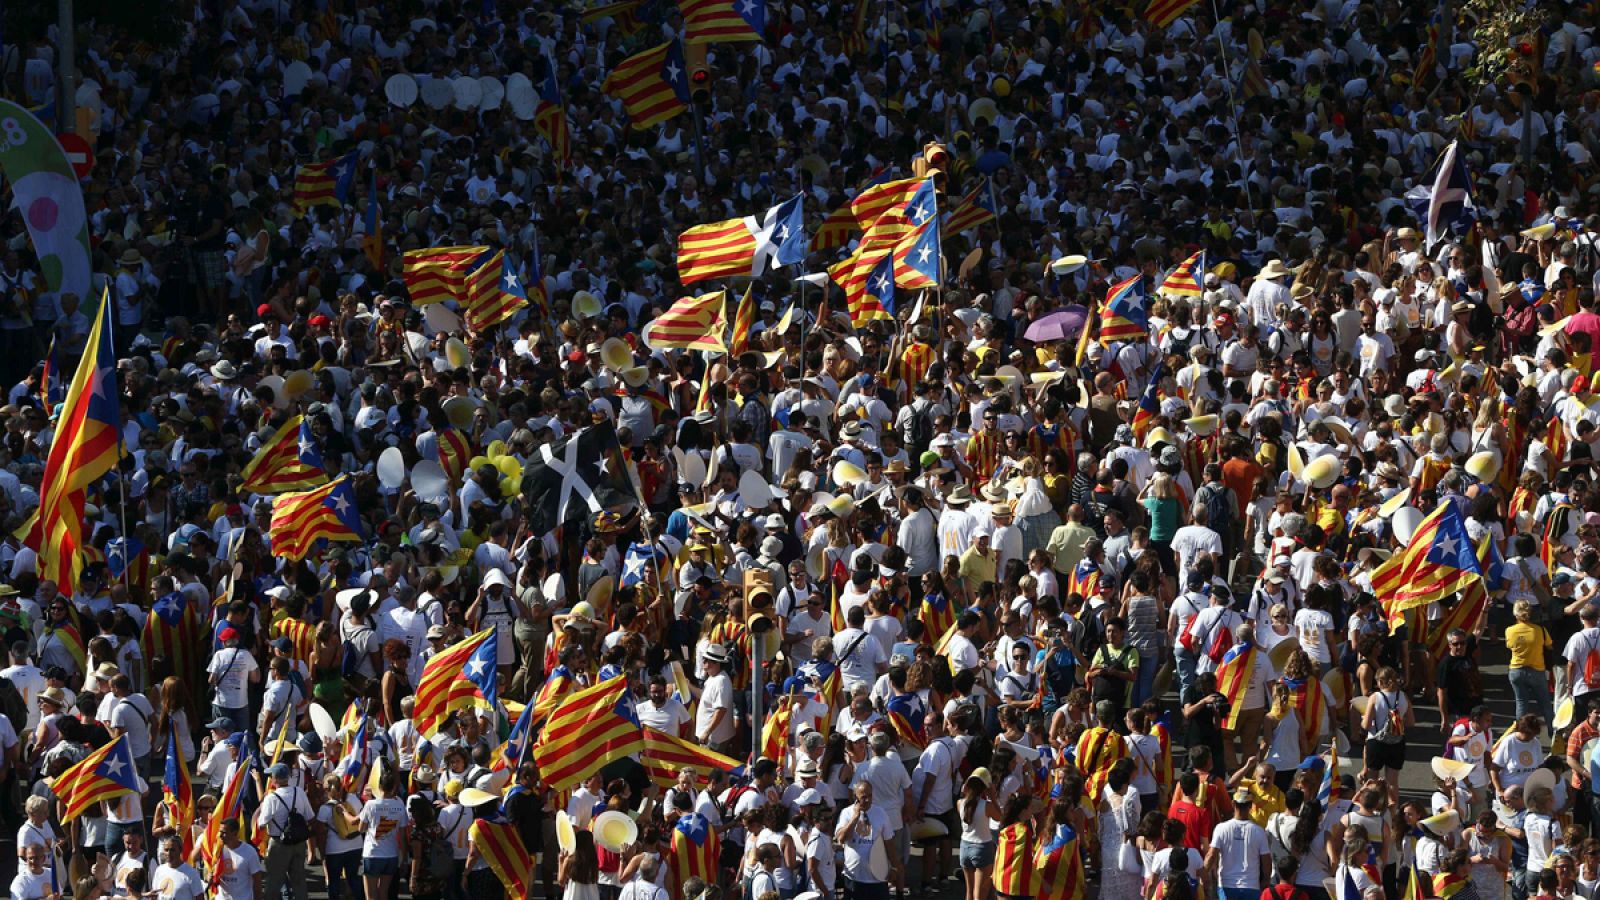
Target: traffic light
[694, 58]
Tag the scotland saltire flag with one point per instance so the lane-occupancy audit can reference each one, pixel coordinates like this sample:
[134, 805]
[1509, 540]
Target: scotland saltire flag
[1443, 199]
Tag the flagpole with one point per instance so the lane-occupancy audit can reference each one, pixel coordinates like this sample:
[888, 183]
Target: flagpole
[106, 315]
[1233, 101]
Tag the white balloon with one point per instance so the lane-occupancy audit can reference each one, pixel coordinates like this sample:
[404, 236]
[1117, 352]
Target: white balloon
[1405, 523]
[429, 481]
[392, 468]
[295, 77]
[493, 93]
[401, 89]
[468, 92]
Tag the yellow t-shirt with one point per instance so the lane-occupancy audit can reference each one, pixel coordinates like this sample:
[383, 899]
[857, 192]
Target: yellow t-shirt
[1526, 643]
[977, 568]
[1268, 800]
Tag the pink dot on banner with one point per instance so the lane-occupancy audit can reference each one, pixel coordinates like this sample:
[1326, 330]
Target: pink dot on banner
[42, 214]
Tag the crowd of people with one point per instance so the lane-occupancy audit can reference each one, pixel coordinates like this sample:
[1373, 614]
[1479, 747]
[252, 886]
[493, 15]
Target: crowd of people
[967, 604]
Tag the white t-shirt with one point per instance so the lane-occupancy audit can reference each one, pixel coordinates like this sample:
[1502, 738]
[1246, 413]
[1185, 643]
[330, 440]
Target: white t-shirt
[1543, 832]
[179, 882]
[666, 717]
[860, 666]
[240, 865]
[938, 763]
[335, 844]
[1312, 625]
[29, 681]
[1517, 759]
[1577, 652]
[381, 821]
[1242, 844]
[858, 847]
[718, 694]
[233, 666]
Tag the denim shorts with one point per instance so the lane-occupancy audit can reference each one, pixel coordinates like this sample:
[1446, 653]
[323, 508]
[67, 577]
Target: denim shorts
[977, 856]
[377, 866]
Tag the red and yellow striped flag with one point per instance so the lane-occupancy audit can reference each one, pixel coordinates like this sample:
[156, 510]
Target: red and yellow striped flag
[721, 21]
[1233, 676]
[300, 521]
[588, 730]
[443, 684]
[324, 183]
[486, 303]
[438, 274]
[289, 461]
[665, 755]
[302, 634]
[744, 319]
[719, 250]
[105, 774]
[652, 85]
[1162, 13]
[501, 847]
[1014, 872]
[871, 204]
[693, 323]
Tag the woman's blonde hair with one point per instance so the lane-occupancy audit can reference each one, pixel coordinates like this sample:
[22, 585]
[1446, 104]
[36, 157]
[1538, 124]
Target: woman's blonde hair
[1523, 610]
[1162, 487]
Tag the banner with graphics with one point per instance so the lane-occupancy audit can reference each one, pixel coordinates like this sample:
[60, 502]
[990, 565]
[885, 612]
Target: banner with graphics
[47, 192]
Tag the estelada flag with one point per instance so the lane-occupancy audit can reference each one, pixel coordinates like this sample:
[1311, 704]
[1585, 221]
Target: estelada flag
[1233, 677]
[105, 774]
[665, 755]
[444, 683]
[1439, 560]
[653, 85]
[694, 849]
[325, 183]
[1188, 279]
[172, 632]
[501, 846]
[1015, 875]
[588, 730]
[289, 461]
[722, 21]
[300, 521]
[1060, 866]
[178, 793]
[437, 274]
[692, 323]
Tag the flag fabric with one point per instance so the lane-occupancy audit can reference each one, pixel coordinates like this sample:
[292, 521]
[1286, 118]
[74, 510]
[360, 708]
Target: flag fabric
[1556, 440]
[128, 557]
[936, 613]
[980, 205]
[694, 849]
[303, 635]
[372, 238]
[1433, 49]
[744, 318]
[494, 293]
[723, 21]
[1233, 677]
[514, 752]
[1439, 560]
[638, 560]
[1188, 279]
[836, 229]
[105, 774]
[690, 324]
[455, 451]
[1014, 872]
[550, 118]
[775, 731]
[357, 754]
[325, 183]
[1310, 707]
[1096, 751]
[854, 274]
[229, 806]
[665, 755]
[51, 373]
[290, 461]
[532, 285]
[501, 846]
[854, 39]
[173, 632]
[881, 289]
[1162, 13]
[1144, 415]
[557, 684]
[445, 682]
[86, 446]
[1465, 615]
[1449, 194]
[70, 638]
[919, 258]
[905, 714]
[588, 730]
[1445, 884]
[438, 274]
[1060, 866]
[653, 85]
[300, 521]
[1330, 779]
[177, 793]
[482, 672]
[1125, 313]
[873, 202]
[579, 475]
[743, 247]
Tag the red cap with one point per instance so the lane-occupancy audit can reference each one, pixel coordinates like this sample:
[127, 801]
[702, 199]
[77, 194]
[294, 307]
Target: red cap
[264, 309]
[576, 356]
[1580, 385]
[229, 634]
[319, 320]
[1223, 318]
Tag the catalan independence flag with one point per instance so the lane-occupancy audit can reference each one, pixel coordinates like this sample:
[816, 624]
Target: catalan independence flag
[692, 323]
[1439, 560]
[105, 774]
[229, 806]
[1233, 676]
[455, 451]
[290, 461]
[980, 205]
[1446, 884]
[1310, 707]
[177, 793]
[775, 731]
[1060, 866]
[501, 846]
[1162, 13]
[653, 85]
[1464, 614]
[86, 446]
[665, 755]
[723, 21]
[173, 632]
[1556, 440]
[694, 849]
[918, 254]
[882, 198]
[1188, 279]
[906, 715]
[303, 635]
[444, 682]
[437, 274]
[494, 293]
[1144, 415]
[588, 730]
[719, 250]
[550, 117]
[325, 183]
[1125, 314]
[936, 613]
[560, 682]
[1084, 579]
[300, 520]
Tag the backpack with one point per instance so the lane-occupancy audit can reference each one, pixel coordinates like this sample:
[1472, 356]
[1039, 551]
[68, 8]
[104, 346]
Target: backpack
[1388, 727]
[1221, 508]
[438, 857]
[295, 829]
[1060, 674]
[918, 429]
[1591, 669]
[1177, 346]
[14, 706]
[350, 657]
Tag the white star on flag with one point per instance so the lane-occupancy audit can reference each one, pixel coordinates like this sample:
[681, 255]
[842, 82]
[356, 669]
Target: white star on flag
[475, 666]
[1447, 546]
[511, 281]
[340, 504]
[113, 767]
[633, 567]
[922, 254]
[672, 71]
[881, 284]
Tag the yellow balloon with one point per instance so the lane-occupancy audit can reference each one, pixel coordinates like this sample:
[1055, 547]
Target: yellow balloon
[478, 462]
[508, 487]
[509, 466]
[495, 450]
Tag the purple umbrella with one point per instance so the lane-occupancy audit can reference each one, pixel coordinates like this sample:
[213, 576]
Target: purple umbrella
[1061, 325]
